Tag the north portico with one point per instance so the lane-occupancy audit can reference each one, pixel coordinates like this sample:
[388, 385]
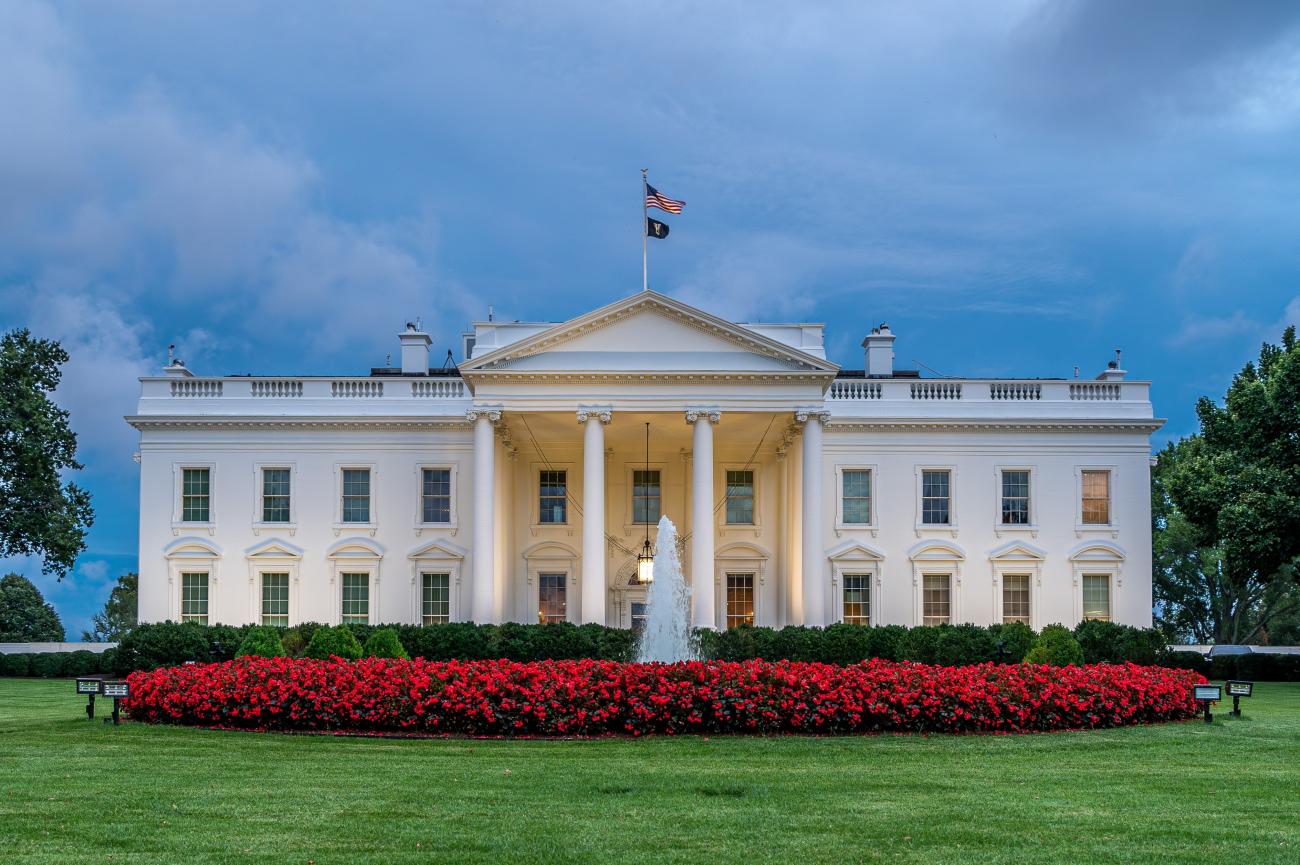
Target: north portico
[573, 401]
[517, 486]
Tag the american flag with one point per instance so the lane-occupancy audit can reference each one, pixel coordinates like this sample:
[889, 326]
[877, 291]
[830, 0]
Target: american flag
[655, 198]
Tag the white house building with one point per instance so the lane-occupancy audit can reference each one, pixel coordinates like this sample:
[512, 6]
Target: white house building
[517, 487]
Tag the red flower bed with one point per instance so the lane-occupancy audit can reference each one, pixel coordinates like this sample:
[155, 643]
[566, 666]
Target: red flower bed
[594, 698]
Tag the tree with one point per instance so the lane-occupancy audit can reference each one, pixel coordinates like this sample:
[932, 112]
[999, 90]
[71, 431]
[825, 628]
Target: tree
[24, 615]
[119, 614]
[1227, 507]
[39, 514]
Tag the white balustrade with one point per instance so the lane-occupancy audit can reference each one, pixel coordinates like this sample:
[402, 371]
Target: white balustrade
[438, 388]
[1092, 390]
[202, 388]
[936, 390]
[364, 388]
[1015, 390]
[277, 388]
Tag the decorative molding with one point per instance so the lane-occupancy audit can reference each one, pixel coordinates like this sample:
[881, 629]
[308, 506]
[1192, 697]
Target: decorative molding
[712, 415]
[1144, 425]
[803, 415]
[604, 415]
[492, 413]
[245, 422]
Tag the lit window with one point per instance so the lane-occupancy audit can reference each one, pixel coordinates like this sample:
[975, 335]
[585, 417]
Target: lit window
[436, 601]
[740, 599]
[553, 496]
[356, 599]
[1015, 498]
[646, 496]
[195, 495]
[194, 598]
[857, 599]
[1015, 598]
[936, 592]
[551, 599]
[1096, 498]
[275, 599]
[356, 495]
[857, 496]
[740, 497]
[1096, 597]
[435, 496]
[275, 495]
[936, 493]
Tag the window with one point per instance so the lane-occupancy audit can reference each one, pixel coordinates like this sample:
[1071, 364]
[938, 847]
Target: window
[435, 496]
[275, 599]
[551, 605]
[740, 497]
[936, 594]
[1015, 497]
[1015, 598]
[856, 485]
[1096, 597]
[356, 495]
[435, 606]
[553, 496]
[857, 599]
[194, 598]
[1096, 498]
[356, 598]
[740, 599]
[646, 496]
[638, 616]
[196, 495]
[936, 497]
[275, 495]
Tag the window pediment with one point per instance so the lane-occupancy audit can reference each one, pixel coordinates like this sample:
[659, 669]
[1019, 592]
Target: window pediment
[192, 548]
[1097, 551]
[855, 551]
[1018, 551]
[936, 551]
[437, 549]
[273, 548]
[355, 548]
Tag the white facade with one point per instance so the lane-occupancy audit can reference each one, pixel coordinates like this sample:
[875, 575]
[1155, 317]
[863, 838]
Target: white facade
[804, 493]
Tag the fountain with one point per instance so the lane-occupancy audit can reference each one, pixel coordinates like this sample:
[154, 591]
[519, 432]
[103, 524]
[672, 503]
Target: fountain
[667, 633]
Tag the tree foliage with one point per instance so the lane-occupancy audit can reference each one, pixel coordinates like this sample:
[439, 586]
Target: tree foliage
[119, 614]
[1227, 507]
[39, 514]
[24, 615]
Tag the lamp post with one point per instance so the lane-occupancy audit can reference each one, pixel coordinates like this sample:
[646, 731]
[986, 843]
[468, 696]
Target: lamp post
[119, 690]
[1237, 689]
[1208, 694]
[645, 563]
[90, 687]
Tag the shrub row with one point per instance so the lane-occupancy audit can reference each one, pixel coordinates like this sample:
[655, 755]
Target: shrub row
[54, 665]
[595, 698]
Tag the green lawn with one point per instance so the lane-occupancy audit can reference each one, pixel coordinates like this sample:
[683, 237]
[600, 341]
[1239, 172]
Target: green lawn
[75, 791]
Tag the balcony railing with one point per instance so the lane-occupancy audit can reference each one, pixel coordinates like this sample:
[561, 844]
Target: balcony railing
[986, 397]
[230, 389]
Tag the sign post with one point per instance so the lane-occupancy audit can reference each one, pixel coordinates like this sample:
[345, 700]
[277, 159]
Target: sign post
[118, 690]
[1208, 694]
[90, 687]
[1236, 690]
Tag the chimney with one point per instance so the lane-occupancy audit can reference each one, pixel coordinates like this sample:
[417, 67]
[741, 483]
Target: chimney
[175, 367]
[1113, 371]
[880, 352]
[415, 350]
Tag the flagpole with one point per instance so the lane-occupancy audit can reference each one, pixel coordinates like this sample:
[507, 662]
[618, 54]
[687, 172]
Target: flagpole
[645, 232]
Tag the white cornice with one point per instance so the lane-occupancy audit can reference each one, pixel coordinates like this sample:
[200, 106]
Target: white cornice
[641, 376]
[619, 310]
[232, 422]
[1142, 425]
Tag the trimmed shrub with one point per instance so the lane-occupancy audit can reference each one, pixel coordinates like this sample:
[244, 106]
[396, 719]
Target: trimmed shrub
[1011, 642]
[19, 664]
[47, 665]
[1185, 661]
[383, 643]
[335, 642]
[295, 639]
[1057, 647]
[165, 644]
[1111, 643]
[886, 641]
[844, 644]
[959, 645]
[261, 642]
[920, 645]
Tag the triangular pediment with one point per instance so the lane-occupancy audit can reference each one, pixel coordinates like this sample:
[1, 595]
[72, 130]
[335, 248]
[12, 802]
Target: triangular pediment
[274, 549]
[648, 332]
[1018, 551]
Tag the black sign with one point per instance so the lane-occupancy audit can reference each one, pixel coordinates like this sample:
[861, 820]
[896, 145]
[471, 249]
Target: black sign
[115, 689]
[1204, 693]
[1240, 689]
[88, 686]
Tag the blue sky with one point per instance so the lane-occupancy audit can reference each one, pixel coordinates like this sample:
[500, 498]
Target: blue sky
[1016, 187]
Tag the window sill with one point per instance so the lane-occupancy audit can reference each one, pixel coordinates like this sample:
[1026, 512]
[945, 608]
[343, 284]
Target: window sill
[540, 528]
[421, 528]
[179, 526]
[1081, 530]
[363, 528]
[935, 530]
[1001, 529]
[290, 528]
[841, 528]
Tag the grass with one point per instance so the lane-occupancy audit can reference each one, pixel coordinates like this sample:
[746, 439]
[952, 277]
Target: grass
[75, 791]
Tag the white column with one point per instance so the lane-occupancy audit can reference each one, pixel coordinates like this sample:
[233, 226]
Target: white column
[814, 558]
[702, 516]
[482, 583]
[593, 514]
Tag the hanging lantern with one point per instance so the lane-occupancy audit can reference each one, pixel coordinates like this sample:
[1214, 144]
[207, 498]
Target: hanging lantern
[645, 563]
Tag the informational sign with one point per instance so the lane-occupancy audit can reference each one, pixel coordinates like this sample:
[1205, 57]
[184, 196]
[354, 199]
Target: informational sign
[1240, 689]
[1204, 693]
[115, 689]
[88, 686]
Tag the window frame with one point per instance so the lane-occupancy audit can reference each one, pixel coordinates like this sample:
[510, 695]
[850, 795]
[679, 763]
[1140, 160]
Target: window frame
[720, 492]
[1097, 573]
[437, 556]
[1000, 528]
[873, 526]
[1080, 527]
[373, 524]
[753, 577]
[349, 571]
[937, 557]
[567, 585]
[207, 617]
[452, 521]
[630, 498]
[870, 578]
[259, 525]
[922, 528]
[933, 573]
[535, 495]
[451, 589]
[178, 497]
[1029, 590]
[262, 574]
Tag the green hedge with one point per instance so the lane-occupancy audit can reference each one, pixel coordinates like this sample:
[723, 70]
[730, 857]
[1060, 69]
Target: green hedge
[169, 643]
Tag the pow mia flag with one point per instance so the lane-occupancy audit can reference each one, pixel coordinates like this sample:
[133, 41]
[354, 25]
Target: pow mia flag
[655, 228]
